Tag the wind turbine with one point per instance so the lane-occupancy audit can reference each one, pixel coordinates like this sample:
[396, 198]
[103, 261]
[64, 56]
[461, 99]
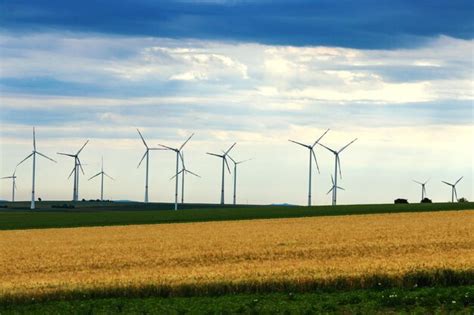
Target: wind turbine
[183, 172]
[147, 155]
[311, 156]
[102, 173]
[224, 161]
[337, 164]
[13, 177]
[75, 170]
[453, 188]
[423, 188]
[235, 176]
[178, 157]
[33, 154]
[334, 186]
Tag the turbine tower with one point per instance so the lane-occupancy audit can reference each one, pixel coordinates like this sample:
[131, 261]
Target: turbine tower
[183, 171]
[453, 188]
[147, 155]
[102, 173]
[235, 176]
[178, 157]
[337, 164]
[334, 186]
[423, 188]
[224, 161]
[75, 170]
[311, 156]
[33, 154]
[13, 177]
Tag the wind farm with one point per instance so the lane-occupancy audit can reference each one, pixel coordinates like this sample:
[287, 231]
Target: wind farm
[236, 157]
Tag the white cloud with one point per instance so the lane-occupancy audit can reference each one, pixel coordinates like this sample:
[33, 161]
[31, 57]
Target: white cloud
[406, 106]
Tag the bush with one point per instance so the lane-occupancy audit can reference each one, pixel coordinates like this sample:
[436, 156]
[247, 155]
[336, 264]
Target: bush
[400, 200]
[426, 200]
[462, 199]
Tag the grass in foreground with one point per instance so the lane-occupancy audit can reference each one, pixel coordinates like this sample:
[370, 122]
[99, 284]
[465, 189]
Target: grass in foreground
[438, 300]
[304, 254]
[106, 214]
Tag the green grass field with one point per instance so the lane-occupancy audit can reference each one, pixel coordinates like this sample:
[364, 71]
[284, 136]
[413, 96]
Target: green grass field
[18, 216]
[437, 300]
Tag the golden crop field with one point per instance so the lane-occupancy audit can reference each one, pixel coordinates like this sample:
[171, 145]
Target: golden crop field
[247, 253]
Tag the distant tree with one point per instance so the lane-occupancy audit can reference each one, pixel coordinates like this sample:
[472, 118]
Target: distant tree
[426, 200]
[462, 199]
[39, 199]
[401, 200]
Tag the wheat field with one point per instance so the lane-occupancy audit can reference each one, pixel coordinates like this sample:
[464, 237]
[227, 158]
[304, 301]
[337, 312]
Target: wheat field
[233, 254]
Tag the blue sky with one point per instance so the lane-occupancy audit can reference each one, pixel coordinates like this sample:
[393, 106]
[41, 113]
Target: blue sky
[396, 74]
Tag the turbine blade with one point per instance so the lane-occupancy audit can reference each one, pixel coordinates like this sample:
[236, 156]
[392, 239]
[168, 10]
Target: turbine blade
[181, 158]
[182, 146]
[232, 160]
[108, 176]
[73, 170]
[332, 180]
[339, 164]
[80, 166]
[327, 148]
[304, 145]
[320, 138]
[458, 181]
[34, 139]
[226, 164]
[142, 138]
[243, 161]
[447, 183]
[455, 193]
[177, 174]
[167, 147]
[6, 177]
[25, 159]
[215, 154]
[192, 173]
[418, 182]
[344, 147]
[66, 154]
[427, 181]
[95, 175]
[330, 190]
[146, 152]
[340, 188]
[46, 157]
[228, 150]
[82, 147]
[315, 159]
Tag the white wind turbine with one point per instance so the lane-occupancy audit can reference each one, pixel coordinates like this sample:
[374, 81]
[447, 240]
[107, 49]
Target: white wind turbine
[337, 164]
[33, 154]
[224, 161]
[235, 176]
[75, 170]
[183, 172]
[423, 188]
[334, 186]
[178, 157]
[453, 188]
[311, 156]
[102, 173]
[147, 155]
[13, 177]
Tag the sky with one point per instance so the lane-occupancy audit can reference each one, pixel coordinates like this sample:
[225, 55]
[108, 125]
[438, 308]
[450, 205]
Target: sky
[397, 75]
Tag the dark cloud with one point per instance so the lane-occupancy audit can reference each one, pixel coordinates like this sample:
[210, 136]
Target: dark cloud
[358, 24]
